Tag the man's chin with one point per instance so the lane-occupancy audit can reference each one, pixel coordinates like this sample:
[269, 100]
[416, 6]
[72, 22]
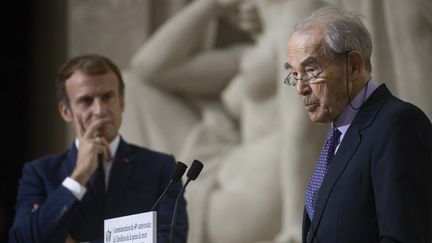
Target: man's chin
[317, 117]
[108, 134]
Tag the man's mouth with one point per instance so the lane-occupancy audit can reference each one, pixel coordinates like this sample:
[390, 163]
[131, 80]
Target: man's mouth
[310, 106]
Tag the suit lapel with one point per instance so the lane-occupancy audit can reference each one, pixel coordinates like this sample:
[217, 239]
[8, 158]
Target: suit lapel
[349, 145]
[70, 162]
[305, 225]
[120, 172]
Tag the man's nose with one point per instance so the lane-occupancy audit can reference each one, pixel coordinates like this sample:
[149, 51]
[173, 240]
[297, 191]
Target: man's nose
[302, 87]
[99, 107]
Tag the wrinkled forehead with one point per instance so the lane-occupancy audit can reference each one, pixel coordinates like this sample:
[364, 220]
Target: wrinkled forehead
[304, 45]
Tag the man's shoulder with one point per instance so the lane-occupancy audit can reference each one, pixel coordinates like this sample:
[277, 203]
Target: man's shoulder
[387, 105]
[395, 114]
[137, 151]
[403, 110]
[48, 161]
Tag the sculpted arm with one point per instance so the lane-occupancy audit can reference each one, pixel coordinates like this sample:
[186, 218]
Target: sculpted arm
[173, 58]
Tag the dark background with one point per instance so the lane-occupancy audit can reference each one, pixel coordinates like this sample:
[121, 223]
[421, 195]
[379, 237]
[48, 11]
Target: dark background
[33, 41]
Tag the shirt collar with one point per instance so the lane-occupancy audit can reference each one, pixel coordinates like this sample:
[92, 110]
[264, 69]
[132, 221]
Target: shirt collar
[345, 119]
[113, 146]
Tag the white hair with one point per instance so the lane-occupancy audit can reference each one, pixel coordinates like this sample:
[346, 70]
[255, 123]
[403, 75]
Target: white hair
[344, 32]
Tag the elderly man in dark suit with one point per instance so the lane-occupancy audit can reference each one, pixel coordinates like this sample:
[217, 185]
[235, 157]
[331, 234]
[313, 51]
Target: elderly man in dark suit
[372, 182]
[66, 197]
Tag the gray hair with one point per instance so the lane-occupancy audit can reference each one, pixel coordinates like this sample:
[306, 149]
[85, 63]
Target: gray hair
[344, 32]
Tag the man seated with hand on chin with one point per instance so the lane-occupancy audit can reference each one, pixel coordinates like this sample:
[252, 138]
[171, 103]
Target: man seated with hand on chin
[67, 197]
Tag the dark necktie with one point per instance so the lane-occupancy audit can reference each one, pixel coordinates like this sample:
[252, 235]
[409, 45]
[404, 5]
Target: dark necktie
[100, 197]
[99, 188]
[320, 171]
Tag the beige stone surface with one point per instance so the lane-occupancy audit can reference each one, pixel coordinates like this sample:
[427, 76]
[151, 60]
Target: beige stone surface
[109, 27]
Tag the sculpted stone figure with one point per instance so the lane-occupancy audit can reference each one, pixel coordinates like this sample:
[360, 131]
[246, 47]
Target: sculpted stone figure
[220, 105]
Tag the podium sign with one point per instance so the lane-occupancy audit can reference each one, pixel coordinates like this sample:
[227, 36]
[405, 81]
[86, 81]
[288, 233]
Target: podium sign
[137, 228]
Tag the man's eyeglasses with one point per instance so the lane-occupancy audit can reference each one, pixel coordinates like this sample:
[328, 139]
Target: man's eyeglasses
[311, 75]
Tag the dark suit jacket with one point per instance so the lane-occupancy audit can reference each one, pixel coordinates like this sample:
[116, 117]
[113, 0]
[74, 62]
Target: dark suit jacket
[138, 177]
[378, 187]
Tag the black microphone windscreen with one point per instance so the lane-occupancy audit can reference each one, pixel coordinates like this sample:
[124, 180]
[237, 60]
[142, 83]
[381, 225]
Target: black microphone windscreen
[178, 171]
[195, 169]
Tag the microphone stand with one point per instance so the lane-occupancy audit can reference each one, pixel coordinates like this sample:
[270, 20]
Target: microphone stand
[161, 196]
[173, 221]
[192, 174]
[176, 174]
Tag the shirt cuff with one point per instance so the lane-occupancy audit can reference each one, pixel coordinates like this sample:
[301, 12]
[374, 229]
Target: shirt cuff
[75, 187]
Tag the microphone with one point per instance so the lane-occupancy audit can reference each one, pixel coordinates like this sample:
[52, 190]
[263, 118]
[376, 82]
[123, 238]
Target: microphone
[176, 174]
[192, 174]
[194, 170]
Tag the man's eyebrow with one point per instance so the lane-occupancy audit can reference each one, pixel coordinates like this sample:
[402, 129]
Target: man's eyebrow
[83, 97]
[308, 61]
[109, 92]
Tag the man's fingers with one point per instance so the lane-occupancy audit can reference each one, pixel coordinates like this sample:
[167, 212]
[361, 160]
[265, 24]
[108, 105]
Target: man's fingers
[104, 147]
[79, 127]
[104, 153]
[93, 129]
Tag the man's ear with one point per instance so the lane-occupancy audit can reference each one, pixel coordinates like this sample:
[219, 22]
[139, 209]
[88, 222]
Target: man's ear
[65, 112]
[122, 103]
[356, 64]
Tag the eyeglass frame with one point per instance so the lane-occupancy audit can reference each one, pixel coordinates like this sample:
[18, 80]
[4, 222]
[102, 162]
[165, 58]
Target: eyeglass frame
[308, 81]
